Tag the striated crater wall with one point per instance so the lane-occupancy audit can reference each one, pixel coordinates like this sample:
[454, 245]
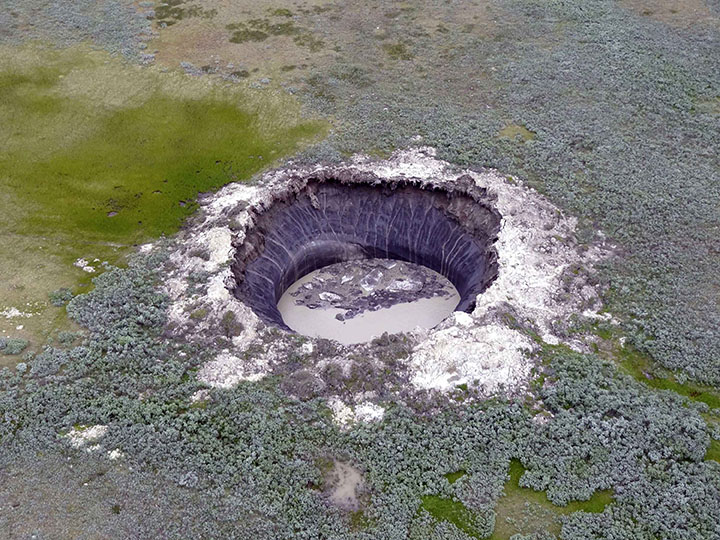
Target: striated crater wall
[321, 220]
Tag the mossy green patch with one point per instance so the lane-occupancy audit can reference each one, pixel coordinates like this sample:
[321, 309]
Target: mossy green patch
[199, 314]
[398, 51]
[98, 155]
[642, 368]
[359, 521]
[525, 511]
[517, 133]
[453, 477]
[595, 504]
[171, 11]
[454, 512]
[137, 175]
[713, 452]
[262, 29]
[280, 12]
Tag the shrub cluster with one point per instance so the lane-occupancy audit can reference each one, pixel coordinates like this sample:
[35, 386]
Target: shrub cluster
[259, 452]
[12, 345]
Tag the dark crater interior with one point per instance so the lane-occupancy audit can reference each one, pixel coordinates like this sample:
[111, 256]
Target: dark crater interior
[335, 216]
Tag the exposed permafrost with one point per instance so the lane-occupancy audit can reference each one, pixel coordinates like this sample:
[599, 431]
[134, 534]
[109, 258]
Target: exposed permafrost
[544, 278]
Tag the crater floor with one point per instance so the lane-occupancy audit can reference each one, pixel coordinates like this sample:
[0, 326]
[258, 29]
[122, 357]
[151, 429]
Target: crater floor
[356, 301]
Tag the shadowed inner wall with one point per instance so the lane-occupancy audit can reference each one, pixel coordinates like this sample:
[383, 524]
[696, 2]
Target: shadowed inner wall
[329, 222]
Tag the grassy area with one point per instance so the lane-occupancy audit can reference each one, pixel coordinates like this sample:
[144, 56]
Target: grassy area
[359, 521]
[455, 476]
[642, 368]
[645, 370]
[520, 510]
[98, 155]
[451, 511]
[713, 452]
[524, 510]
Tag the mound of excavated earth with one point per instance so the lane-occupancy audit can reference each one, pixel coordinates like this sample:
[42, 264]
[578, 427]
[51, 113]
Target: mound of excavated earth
[511, 254]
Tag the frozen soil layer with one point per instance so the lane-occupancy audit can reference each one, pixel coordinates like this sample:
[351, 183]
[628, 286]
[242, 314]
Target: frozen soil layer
[339, 214]
[544, 278]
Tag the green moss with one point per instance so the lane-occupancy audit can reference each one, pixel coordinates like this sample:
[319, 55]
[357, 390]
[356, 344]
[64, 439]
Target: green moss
[98, 156]
[281, 12]
[325, 465]
[451, 511]
[263, 26]
[142, 164]
[595, 504]
[309, 41]
[603, 332]
[524, 510]
[642, 368]
[359, 521]
[453, 477]
[172, 11]
[713, 451]
[397, 51]
[199, 405]
[517, 133]
[146, 163]
[231, 326]
[460, 393]
[199, 314]
[243, 34]
[261, 29]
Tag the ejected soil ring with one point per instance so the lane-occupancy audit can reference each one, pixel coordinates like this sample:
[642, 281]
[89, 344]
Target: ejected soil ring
[335, 216]
[521, 274]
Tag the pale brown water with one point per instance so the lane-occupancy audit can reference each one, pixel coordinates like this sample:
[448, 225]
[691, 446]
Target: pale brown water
[401, 317]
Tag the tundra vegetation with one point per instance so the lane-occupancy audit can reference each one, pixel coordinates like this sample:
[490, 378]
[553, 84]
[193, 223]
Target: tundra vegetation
[103, 156]
[116, 114]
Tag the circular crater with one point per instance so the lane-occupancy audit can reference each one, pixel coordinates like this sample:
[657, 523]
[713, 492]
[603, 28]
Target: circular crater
[337, 216]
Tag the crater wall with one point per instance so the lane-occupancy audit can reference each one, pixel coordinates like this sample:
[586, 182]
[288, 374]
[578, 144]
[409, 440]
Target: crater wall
[317, 221]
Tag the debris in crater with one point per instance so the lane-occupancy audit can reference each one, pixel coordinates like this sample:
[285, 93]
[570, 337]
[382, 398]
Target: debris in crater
[369, 285]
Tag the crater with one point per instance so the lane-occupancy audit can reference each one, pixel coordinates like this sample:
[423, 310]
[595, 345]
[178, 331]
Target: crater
[520, 282]
[401, 240]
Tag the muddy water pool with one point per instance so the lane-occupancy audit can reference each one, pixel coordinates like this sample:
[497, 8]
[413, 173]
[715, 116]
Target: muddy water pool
[356, 301]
